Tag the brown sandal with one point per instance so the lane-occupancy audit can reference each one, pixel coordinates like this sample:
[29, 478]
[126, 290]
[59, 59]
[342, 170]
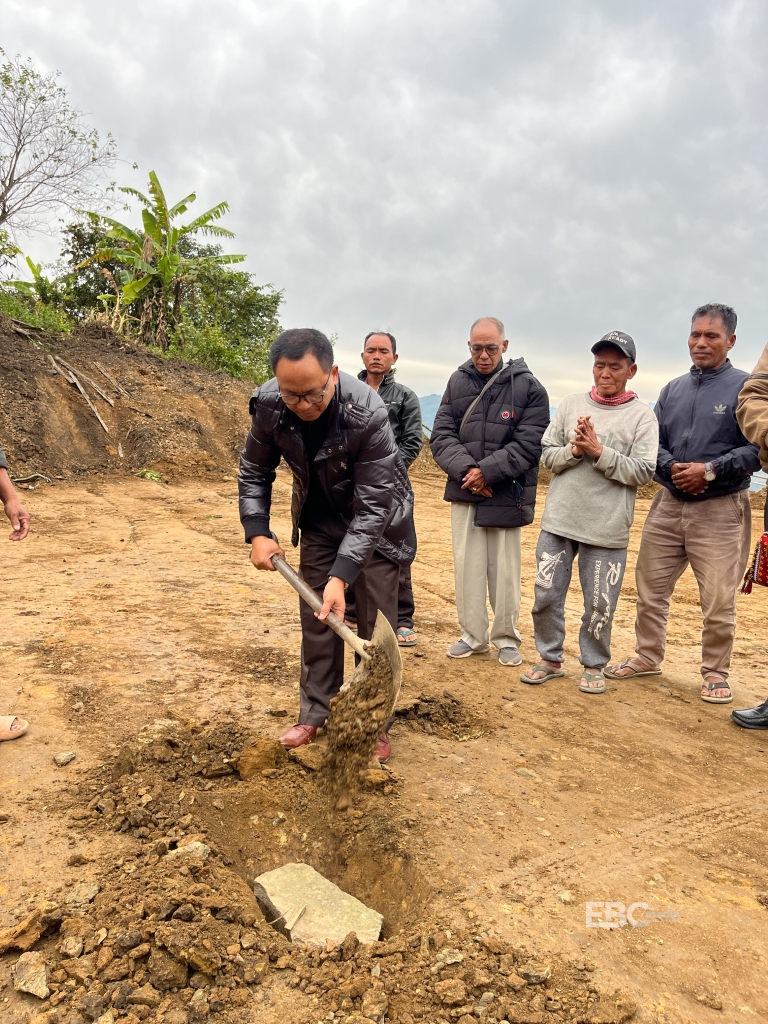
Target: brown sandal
[718, 684]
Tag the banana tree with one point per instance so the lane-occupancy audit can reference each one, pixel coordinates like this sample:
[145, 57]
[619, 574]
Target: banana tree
[44, 288]
[155, 269]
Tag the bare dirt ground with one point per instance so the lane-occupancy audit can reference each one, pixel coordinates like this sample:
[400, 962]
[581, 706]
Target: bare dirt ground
[509, 807]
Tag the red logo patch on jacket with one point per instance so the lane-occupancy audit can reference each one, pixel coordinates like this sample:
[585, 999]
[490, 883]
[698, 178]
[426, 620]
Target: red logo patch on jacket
[505, 414]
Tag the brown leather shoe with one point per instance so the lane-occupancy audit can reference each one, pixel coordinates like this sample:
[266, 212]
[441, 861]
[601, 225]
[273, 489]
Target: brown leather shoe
[298, 735]
[383, 750]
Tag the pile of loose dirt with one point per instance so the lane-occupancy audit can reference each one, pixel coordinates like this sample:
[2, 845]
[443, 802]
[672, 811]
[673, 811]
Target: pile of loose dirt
[164, 927]
[176, 418]
[440, 716]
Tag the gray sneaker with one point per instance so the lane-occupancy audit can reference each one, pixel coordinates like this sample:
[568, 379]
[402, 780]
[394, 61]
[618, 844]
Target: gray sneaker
[461, 649]
[510, 656]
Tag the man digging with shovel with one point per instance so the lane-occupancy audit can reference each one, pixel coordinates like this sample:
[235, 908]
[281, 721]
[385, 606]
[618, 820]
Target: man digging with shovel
[352, 506]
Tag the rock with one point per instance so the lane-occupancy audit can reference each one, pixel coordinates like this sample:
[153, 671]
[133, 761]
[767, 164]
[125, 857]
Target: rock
[128, 940]
[90, 1004]
[449, 956]
[116, 970]
[535, 974]
[105, 956]
[199, 980]
[259, 756]
[108, 1017]
[124, 764]
[175, 1017]
[565, 896]
[494, 944]
[194, 851]
[523, 1015]
[375, 1004]
[64, 758]
[198, 1006]
[186, 912]
[23, 935]
[309, 756]
[84, 892]
[707, 999]
[165, 972]
[374, 777]
[527, 773]
[30, 974]
[145, 996]
[249, 939]
[451, 992]
[312, 910]
[81, 968]
[71, 946]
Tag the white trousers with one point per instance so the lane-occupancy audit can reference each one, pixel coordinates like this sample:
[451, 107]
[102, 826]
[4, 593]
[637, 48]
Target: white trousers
[485, 561]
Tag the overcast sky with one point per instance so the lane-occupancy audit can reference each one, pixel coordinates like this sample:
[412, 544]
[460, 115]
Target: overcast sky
[571, 167]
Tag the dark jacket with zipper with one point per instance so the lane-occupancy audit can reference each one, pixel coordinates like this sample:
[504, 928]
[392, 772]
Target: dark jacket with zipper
[502, 437]
[404, 411]
[697, 423]
[358, 466]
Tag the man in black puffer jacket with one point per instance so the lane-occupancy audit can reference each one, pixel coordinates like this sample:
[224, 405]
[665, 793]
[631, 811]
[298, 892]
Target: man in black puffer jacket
[352, 504]
[487, 437]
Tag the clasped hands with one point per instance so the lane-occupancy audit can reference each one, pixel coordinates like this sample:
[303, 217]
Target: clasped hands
[474, 481]
[585, 441]
[262, 550]
[689, 477]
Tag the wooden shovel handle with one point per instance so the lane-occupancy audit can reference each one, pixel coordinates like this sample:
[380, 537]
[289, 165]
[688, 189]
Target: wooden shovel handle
[307, 594]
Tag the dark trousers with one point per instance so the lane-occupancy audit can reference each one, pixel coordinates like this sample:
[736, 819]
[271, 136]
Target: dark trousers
[322, 652]
[405, 603]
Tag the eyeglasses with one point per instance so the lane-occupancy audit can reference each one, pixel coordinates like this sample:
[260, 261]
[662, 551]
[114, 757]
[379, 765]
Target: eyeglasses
[310, 397]
[492, 350]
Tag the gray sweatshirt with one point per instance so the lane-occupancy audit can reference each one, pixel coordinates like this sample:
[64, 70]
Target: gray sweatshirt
[593, 500]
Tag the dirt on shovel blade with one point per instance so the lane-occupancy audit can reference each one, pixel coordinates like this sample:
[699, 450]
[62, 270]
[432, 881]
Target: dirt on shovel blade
[358, 717]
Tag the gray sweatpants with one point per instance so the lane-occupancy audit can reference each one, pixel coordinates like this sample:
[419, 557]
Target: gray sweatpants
[601, 571]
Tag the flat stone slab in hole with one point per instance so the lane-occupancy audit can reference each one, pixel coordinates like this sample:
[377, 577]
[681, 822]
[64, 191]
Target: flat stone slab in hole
[30, 974]
[329, 913]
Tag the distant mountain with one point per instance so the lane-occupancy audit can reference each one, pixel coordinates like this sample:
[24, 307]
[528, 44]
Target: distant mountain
[429, 406]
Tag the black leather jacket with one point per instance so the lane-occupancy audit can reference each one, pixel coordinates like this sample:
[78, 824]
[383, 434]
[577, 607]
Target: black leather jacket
[404, 411]
[358, 465]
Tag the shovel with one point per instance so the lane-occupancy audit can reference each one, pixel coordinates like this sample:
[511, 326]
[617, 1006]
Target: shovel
[383, 638]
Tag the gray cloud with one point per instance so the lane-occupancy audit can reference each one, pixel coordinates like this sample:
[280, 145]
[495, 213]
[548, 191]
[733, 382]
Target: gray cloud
[570, 167]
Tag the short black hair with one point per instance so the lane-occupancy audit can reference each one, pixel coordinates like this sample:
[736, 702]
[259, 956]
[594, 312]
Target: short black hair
[298, 342]
[386, 334]
[714, 309]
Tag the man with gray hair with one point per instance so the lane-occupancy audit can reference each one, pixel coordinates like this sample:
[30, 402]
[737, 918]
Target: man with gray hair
[702, 516]
[487, 438]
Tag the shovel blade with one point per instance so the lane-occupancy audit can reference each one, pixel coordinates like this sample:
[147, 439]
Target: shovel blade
[384, 637]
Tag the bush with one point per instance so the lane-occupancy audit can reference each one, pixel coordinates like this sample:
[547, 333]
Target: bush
[210, 347]
[34, 312]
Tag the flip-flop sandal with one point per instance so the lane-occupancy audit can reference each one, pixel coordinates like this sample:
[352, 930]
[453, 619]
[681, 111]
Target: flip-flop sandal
[402, 637]
[721, 684]
[6, 721]
[592, 677]
[633, 664]
[550, 673]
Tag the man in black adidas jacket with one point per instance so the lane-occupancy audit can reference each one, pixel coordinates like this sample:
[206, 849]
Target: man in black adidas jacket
[702, 517]
[487, 438]
[352, 503]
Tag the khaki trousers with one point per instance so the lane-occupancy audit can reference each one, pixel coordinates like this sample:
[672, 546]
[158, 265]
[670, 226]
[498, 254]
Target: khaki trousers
[714, 537]
[485, 561]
